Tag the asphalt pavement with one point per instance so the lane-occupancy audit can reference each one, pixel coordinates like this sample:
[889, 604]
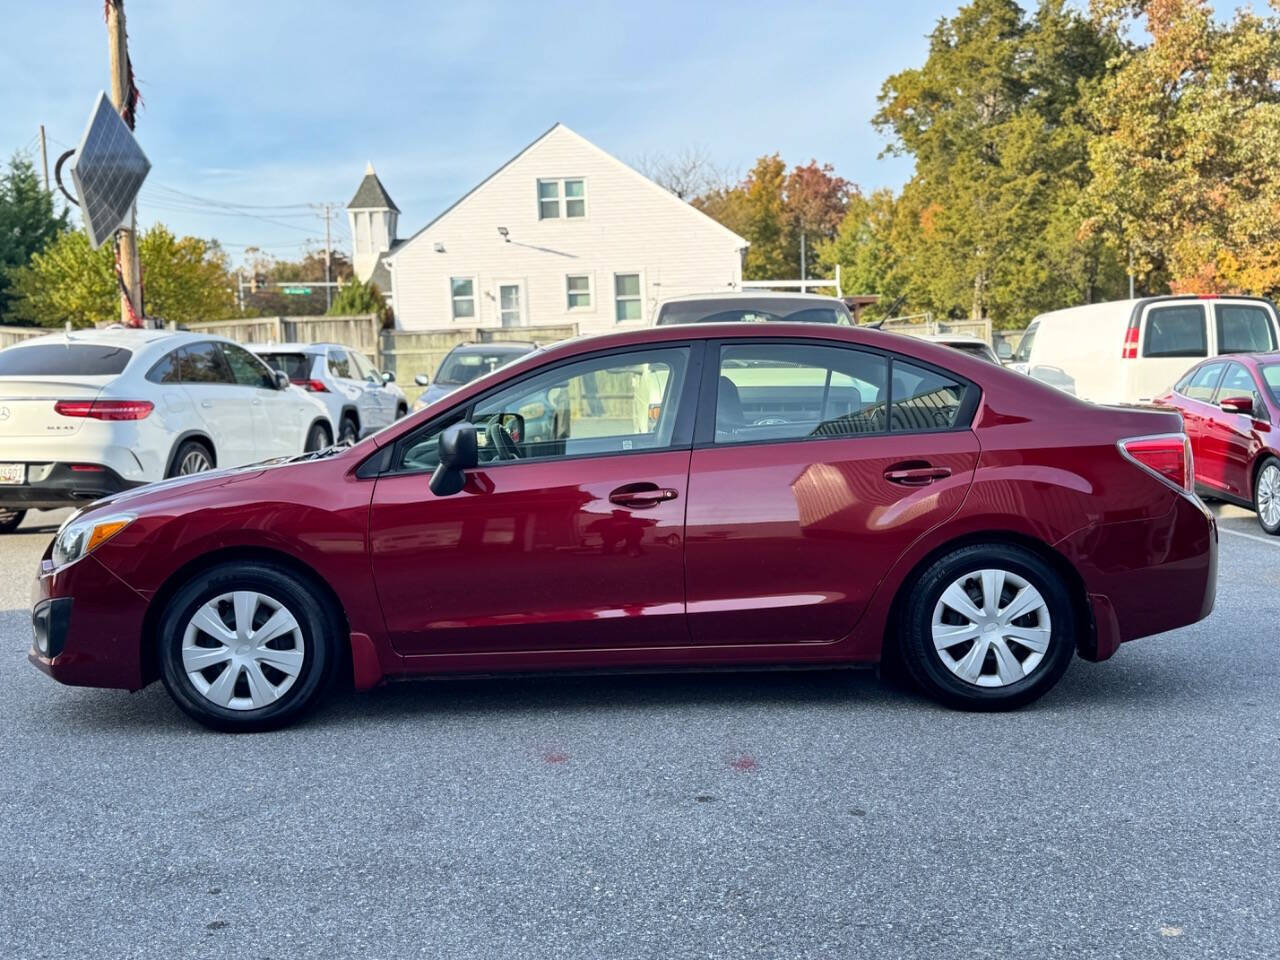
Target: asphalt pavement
[1133, 812]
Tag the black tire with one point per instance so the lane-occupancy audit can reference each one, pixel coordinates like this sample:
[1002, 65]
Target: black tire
[1264, 476]
[348, 429]
[925, 663]
[10, 519]
[190, 453]
[317, 438]
[319, 626]
[402, 411]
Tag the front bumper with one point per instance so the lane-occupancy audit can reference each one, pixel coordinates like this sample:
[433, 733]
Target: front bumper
[52, 485]
[1145, 577]
[95, 641]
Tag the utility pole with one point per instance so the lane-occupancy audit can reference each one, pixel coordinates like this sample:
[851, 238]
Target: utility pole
[122, 95]
[328, 257]
[44, 158]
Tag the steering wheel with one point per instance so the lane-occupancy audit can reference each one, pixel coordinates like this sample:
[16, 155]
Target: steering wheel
[501, 441]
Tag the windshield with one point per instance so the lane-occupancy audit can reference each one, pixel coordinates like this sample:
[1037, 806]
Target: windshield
[1023, 353]
[748, 310]
[295, 366]
[463, 366]
[63, 360]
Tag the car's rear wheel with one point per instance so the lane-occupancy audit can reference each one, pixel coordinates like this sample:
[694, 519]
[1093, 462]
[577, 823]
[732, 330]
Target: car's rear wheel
[348, 430]
[318, 438]
[192, 457]
[247, 646]
[988, 627]
[1266, 496]
[10, 519]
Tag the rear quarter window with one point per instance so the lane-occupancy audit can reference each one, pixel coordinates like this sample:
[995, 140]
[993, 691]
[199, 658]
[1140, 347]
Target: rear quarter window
[64, 360]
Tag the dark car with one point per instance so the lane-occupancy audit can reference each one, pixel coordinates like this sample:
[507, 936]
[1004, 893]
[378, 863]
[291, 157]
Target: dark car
[754, 307]
[465, 363]
[1231, 409]
[700, 496]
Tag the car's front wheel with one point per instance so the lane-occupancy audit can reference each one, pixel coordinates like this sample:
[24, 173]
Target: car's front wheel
[247, 646]
[1266, 496]
[988, 627]
[318, 438]
[10, 519]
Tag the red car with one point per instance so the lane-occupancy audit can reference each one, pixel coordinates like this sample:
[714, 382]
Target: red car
[1231, 409]
[678, 497]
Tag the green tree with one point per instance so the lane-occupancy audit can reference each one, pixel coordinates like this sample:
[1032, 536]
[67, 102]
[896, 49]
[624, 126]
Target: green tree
[1184, 168]
[185, 280]
[863, 247]
[356, 298]
[989, 223]
[28, 222]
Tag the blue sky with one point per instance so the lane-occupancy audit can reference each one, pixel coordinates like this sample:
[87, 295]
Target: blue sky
[284, 103]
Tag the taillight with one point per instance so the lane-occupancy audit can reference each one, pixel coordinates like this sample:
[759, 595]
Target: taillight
[1168, 456]
[105, 409]
[1130, 351]
[311, 386]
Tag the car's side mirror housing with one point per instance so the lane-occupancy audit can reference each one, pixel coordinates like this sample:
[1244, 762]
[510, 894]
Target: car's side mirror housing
[421, 380]
[1242, 405]
[458, 452]
[388, 376]
[282, 379]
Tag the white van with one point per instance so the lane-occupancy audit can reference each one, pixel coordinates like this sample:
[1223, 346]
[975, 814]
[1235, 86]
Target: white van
[1129, 351]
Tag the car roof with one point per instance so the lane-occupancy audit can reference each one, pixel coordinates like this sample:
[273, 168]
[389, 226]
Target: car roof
[753, 295]
[954, 338]
[497, 345]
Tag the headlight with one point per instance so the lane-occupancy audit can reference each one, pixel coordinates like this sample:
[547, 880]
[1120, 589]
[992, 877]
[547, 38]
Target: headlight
[80, 537]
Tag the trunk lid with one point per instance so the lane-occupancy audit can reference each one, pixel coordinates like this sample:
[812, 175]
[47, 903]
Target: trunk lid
[26, 405]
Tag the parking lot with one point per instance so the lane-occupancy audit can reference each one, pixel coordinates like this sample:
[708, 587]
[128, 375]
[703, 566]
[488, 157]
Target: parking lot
[1130, 813]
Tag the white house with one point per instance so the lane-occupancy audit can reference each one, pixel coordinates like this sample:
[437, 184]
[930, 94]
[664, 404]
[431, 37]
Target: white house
[561, 233]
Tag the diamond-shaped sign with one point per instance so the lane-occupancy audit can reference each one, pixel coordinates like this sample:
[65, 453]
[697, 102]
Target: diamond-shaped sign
[108, 171]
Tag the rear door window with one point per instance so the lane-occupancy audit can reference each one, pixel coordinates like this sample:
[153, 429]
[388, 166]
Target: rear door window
[1244, 328]
[1202, 382]
[1177, 331]
[64, 360]
[204, 363]
[786, 391]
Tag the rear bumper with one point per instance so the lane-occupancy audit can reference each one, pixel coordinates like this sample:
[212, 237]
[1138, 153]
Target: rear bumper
[95, 640]
[53, 485]
[1145, 577]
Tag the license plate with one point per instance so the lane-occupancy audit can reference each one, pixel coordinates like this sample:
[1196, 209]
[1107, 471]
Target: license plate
[12, 473]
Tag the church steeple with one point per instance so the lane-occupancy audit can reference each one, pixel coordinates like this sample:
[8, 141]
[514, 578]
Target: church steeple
[372, 215]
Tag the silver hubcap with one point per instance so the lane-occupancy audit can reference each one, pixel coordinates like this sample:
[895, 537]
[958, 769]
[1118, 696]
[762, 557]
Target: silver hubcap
[194, 462]
[991, 628]
[1269, 495]
[242, 650]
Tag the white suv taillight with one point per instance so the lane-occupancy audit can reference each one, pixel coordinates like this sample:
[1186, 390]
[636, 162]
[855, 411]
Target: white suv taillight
[1167, 455]
[105, 409]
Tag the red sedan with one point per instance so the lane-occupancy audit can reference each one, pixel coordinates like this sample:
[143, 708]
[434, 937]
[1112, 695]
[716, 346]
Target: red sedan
[1231, 408]
[683, 496]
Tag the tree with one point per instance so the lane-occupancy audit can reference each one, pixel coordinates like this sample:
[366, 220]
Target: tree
[1184, 168]
[185, 280]
[356, 298]
[28, 222]
[271, 300]
[689, 173]
[816, 202]
[989, 223]
[863, 247]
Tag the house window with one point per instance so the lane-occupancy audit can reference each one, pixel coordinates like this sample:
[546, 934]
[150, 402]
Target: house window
[626, 296]
[562, 198]
[463, 292]
[578, 287]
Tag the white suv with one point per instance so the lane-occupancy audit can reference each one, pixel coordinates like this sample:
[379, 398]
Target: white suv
[87, 414]
[360, 400]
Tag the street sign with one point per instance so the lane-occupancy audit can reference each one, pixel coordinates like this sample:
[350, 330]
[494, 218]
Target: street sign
[296, 291]
[108, 171]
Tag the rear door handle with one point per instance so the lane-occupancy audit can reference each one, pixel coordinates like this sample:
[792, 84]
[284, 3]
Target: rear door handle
[916, 476]
[642, 495]
[206, 403]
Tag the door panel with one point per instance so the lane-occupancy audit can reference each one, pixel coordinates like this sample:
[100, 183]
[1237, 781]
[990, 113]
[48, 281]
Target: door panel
[534, 556]
[223, 406]
[1228, 440]
[786, 542]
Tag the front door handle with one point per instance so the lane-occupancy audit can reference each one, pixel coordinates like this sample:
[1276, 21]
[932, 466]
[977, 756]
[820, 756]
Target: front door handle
[916, 476]
[206, 403]
[642, 495]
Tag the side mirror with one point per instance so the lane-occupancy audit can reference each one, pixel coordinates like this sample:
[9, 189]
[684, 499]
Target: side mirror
[1004, 351]
[421, 380]
[458, 452]
[282, 379]
[388, 376]
[1242, 405]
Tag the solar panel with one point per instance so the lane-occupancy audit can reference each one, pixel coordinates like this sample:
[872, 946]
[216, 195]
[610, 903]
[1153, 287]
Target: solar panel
[108, 171]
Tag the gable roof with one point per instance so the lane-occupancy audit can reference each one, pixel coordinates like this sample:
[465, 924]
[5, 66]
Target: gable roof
[371, 194]
[742, 242]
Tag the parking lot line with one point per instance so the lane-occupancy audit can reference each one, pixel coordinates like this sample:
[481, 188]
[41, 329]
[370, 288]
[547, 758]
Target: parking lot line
[1269, 541]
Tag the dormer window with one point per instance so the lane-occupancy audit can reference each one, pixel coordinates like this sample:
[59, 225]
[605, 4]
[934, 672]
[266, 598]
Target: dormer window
[562, 198]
